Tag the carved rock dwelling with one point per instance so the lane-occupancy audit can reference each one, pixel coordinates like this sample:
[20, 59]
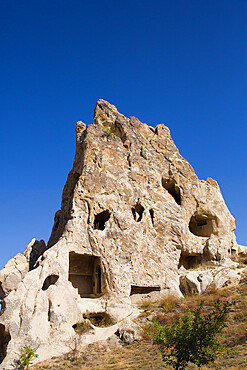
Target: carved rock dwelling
[133, 222]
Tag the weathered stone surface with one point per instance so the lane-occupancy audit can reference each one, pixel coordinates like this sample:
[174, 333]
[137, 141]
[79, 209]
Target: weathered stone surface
[215, 249]
[242, 249]
[129, 332]
[12, 274]
[197, 281]
[134, 218]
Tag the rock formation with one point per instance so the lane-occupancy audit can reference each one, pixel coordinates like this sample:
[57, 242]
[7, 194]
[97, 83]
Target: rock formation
[134, 220]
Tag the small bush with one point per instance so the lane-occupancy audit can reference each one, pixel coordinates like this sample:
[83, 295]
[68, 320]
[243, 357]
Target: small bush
[193, 338]
[74, 344]
[109, 132]
[27, 355]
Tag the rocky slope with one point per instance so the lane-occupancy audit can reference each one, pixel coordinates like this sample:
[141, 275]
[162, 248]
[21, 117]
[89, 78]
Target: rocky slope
[142, 354]
[134, 220]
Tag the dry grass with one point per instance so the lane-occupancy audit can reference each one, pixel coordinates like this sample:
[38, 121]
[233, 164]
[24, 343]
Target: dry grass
[169, 303]
[113, 354]
[142, 355]
[146, 304]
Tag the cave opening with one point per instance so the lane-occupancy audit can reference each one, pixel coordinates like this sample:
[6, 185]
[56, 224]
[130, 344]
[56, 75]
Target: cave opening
[151, 212]
[4, 340]
[2, 294]
[137, 289]
[101, 219]
[85, 274]
[172, 189]
[50, 280]
[137, 212]
[100, 319]
[203, 225]
[49, 309]
[188, 261]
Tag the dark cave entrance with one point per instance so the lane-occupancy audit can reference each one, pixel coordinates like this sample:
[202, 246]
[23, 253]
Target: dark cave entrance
[50, 280]
[151, 212]
[137, 212]
[101, 219]
[172, 189]
[137, 289]
[188, 261]
[85, 274]
[203, 225]
[4, 340]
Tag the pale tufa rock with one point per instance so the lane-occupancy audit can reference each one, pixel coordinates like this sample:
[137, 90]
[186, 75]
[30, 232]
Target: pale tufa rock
[242, 250]
[134, 220]
[227, 274]
[129, 332]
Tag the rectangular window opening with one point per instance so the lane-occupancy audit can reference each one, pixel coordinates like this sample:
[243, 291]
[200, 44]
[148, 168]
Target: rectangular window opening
[85, 274]
[136, 289]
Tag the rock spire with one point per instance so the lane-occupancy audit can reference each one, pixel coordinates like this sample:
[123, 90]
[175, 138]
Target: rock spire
[134, 220]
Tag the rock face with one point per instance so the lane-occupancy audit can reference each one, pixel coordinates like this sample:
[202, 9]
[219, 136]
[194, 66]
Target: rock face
[129, 332]
[134, 218]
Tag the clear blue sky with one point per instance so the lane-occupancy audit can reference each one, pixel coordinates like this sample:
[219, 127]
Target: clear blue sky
[180, 62]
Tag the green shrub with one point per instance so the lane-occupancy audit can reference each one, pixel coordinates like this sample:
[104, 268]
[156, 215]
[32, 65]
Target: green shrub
[27, 355]
[193, 338]
[109, 132]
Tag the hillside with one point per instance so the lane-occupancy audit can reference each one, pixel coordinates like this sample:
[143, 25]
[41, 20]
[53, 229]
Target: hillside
[114, 354]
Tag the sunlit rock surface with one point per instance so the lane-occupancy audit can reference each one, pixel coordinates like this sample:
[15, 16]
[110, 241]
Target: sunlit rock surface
[134, 221]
